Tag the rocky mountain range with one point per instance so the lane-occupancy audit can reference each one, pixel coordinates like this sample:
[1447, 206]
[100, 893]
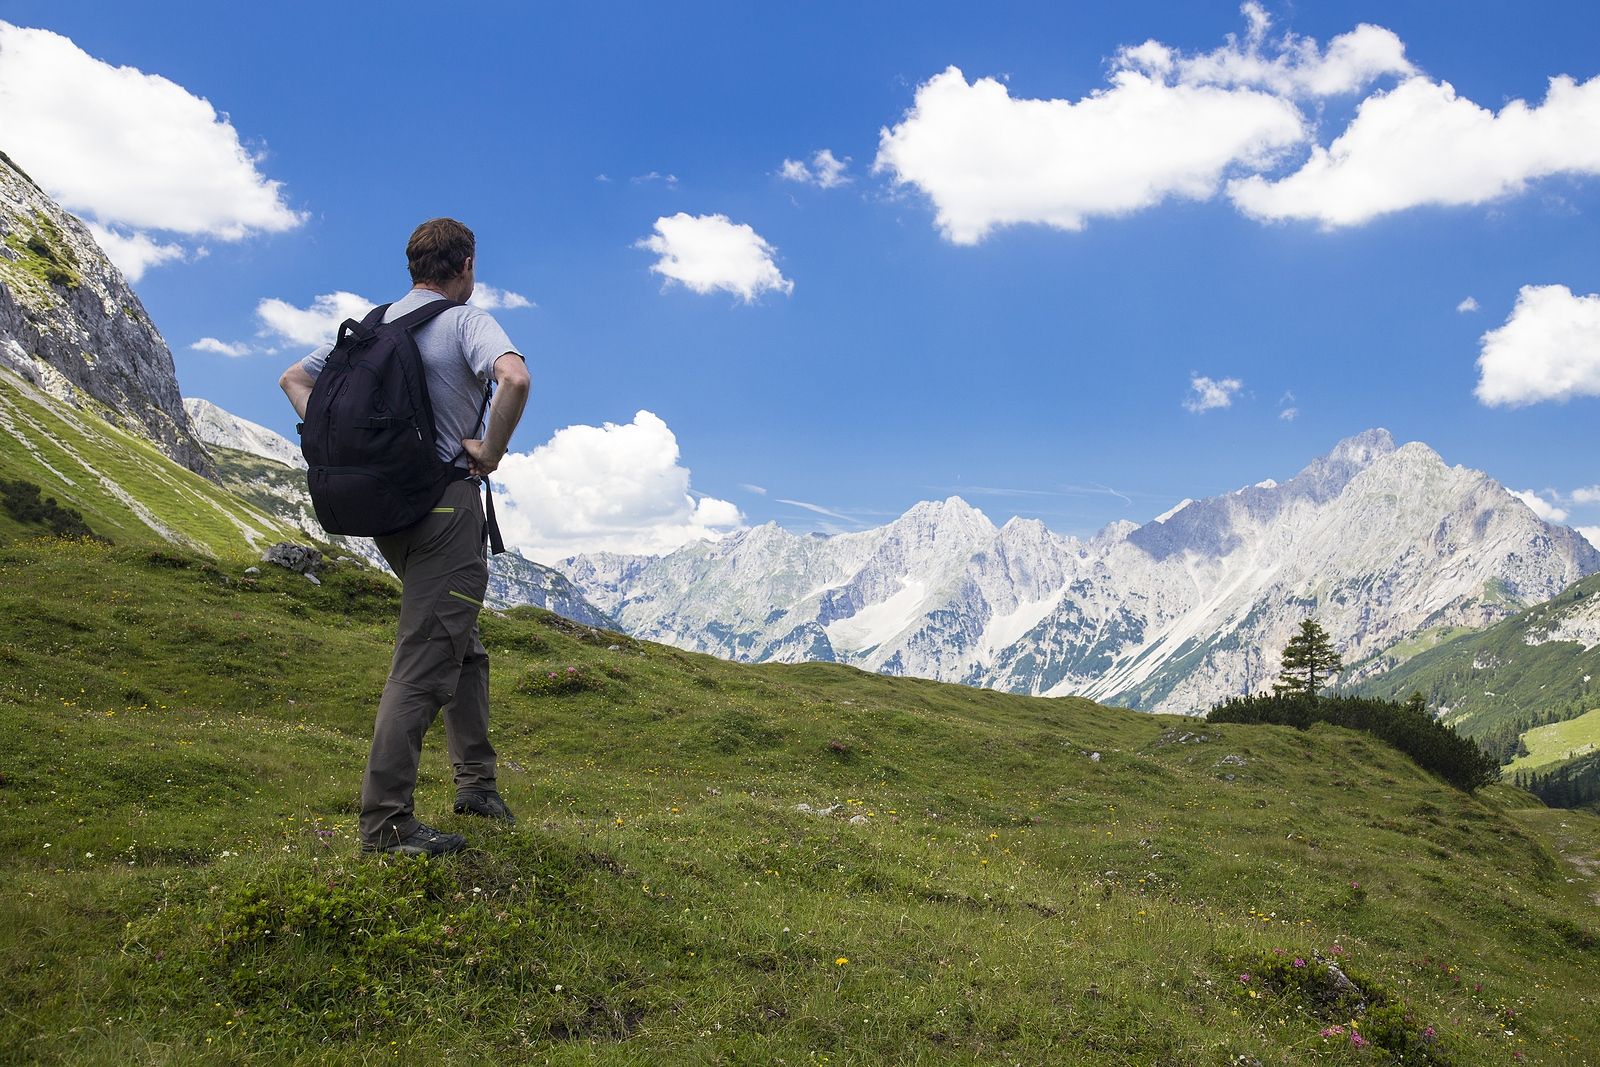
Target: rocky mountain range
[1381, 542]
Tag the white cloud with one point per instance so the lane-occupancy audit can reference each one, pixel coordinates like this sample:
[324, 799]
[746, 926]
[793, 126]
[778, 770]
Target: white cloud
[134, 253]
[818, 508]
[1545, 509]
[1421, 144]
[708, 252]
[1468, 305]
[825, 171]
[222, 348]
[1206, 394]
[1548, 349]
[1289, 414]
[1591, 534]
[1288, 66]
[129, 149]
[611, 488]
[756, 489]
[1589, 494]
[314, 325]
[988, 160]
[491, 299]
[654, 176]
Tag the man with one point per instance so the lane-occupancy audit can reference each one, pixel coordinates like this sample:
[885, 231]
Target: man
[439, 661]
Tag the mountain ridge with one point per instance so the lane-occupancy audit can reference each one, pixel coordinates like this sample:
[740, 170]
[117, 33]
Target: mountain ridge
[1383, 540]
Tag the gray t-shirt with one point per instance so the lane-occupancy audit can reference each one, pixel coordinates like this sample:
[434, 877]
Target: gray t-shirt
[459, 347]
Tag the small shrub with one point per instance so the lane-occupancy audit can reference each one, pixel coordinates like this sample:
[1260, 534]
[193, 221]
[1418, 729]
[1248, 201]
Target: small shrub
[26, 502]
[559, 681]
[1359, 1009]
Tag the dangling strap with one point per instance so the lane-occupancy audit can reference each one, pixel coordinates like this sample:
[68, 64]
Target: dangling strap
[491, 527]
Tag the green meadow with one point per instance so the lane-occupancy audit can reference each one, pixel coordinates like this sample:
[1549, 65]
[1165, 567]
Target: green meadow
[1558, 741]
[980, 878]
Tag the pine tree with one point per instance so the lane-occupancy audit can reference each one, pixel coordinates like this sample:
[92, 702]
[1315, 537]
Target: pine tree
[1309, 661]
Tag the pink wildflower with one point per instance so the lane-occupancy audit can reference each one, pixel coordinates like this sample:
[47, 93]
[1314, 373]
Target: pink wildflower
[1298, 962]
[1244, 979]
[1337, 950]
[572, 670]
[1357, 1041]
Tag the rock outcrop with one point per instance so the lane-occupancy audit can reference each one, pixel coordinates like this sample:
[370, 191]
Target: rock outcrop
[70, 324]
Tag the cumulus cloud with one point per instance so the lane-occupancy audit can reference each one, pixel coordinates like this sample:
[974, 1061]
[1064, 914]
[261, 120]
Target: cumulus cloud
[134, 253]
[610, 488]
[314, 325]
[232, 350]
[1547, 510]
[709, 252]
[1206, 394]
[1470, 304]
[1289, 65]
[1548, 349]
[131, 151]
[1170, 124]
[1589, 494]
[986, 159]
[824, 170]
[1591, 534]
[1421, 144]
[491, 299]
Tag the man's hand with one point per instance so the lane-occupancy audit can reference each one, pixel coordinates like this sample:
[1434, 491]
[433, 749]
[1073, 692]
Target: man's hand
[480, 460]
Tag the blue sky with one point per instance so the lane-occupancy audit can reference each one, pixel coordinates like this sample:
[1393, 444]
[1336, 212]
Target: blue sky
[1021, 303]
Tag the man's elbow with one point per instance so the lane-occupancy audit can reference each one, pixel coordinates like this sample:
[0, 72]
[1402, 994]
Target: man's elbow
[513, 375]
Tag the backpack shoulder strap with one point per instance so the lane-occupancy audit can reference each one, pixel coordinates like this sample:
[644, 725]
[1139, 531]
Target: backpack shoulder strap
[364, 328]
[412, 319]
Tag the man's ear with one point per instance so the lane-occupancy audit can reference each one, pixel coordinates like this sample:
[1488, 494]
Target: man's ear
[466, 264]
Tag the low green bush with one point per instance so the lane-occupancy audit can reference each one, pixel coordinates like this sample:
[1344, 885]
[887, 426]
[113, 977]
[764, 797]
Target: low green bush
[1408, 727]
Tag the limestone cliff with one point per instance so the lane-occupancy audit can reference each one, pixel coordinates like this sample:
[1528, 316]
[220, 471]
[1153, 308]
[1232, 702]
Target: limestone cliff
[70, 324]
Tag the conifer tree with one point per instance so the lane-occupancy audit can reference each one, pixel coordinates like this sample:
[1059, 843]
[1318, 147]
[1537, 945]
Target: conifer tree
[1309, 661]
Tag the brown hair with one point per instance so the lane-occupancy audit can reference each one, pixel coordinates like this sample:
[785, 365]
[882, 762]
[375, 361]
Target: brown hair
[438, 250]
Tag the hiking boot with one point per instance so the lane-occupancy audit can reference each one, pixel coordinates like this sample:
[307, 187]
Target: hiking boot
[423, 841]
[489, 805]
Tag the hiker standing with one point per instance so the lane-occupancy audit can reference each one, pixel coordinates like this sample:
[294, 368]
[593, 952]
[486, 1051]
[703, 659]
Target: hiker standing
[439, 552]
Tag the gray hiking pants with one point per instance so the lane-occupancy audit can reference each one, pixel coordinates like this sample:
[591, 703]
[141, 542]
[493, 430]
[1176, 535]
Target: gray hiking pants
[439, 663]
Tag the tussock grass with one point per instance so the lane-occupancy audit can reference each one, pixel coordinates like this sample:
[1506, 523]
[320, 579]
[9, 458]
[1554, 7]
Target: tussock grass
[180, 880]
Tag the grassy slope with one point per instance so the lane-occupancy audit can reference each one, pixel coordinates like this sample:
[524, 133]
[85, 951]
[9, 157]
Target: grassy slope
[1558, 742]
[88, 464]
[1518, 680]
[179, 881]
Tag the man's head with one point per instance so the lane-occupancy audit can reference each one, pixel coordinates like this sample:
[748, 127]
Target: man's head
[441, 255]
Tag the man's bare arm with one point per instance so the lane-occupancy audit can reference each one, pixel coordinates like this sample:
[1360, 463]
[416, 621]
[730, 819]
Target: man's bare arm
[297, 384]
[510, 395]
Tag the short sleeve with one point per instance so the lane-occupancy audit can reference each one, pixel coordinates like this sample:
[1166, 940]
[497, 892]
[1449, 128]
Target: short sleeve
[314, 363]
[483, 342]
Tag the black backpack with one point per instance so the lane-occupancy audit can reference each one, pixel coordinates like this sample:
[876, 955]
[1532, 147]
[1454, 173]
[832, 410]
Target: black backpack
[368, 434]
